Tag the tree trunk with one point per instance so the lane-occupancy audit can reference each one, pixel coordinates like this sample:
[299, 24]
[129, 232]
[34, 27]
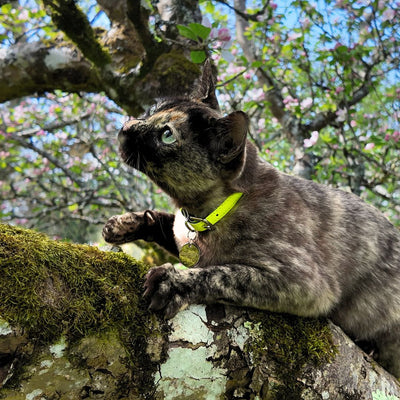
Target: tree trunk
[127, 61]
[73, 326]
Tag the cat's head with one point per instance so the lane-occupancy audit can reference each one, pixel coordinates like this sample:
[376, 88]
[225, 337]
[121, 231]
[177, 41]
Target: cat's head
[185, 145]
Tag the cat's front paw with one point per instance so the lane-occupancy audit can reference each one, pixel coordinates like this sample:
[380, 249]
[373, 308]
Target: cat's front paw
[127, 227]
[163, 289]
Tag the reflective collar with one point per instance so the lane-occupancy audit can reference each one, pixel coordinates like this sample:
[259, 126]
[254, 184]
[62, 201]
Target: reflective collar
[207, 223]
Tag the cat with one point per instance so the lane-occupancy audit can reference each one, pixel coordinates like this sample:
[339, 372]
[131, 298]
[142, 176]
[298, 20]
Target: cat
[287, 245]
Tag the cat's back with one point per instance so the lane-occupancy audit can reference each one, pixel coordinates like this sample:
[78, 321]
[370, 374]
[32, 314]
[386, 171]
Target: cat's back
[337, 226]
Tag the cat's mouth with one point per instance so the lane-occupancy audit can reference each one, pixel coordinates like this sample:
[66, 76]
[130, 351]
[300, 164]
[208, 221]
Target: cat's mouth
[128, 156]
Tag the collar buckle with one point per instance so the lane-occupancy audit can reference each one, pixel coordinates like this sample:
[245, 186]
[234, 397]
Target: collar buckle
[195, 224]
[207, 224]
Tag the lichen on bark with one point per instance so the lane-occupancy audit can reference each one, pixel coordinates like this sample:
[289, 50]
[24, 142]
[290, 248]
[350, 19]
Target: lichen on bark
[53, 290]
[290, 343]
[71, 20]
[174, 75]
[73, 326]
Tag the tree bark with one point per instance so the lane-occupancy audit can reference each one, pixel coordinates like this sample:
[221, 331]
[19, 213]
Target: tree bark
[73, 325]
[126, 61]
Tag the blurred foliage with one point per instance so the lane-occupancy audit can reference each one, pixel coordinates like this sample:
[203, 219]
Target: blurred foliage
[59, 167]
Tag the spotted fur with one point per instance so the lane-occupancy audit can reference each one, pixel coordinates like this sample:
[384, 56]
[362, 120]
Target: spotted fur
[289, 245]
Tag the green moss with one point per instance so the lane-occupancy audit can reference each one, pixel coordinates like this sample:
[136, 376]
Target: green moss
[52, 289]
[291, 342]
[70, 19]
[174, 72]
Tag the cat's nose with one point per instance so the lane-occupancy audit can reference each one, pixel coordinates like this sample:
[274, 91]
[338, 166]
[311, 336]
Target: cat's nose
[131, 122]
[122, 134]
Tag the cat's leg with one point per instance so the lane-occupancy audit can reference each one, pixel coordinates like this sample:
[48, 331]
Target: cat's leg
[389, 350]
[170, 290]
[149, 225]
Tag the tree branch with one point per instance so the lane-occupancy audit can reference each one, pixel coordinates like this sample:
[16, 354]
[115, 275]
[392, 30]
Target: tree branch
[291, 125]
[246, 16]
[28, 68]
[273, 94]
[29, 145]
[84, 295]
[73, 22]
[139, 18]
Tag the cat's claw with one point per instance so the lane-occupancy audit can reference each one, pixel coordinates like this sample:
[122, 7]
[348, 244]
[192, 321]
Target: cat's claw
[125, 228]
[161, 288]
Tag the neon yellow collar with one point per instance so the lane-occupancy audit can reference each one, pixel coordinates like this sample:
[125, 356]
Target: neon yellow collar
[207, 223]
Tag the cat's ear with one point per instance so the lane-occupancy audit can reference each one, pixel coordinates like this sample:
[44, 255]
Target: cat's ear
[232, 132]
[205, 91]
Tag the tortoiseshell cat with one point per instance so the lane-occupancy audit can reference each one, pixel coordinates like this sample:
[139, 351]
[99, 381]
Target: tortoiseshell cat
[288, 245]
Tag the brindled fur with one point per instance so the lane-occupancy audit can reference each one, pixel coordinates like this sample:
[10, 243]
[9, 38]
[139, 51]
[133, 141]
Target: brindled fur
[289, 245]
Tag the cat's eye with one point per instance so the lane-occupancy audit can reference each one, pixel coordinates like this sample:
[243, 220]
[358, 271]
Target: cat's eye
[167, 137]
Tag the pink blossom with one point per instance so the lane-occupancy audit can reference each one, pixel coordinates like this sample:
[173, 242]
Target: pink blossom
[234, 69]
[305, 23]
[224, 35]
[289, 100]
[206, 22]
[41, 133]
[341, 115]
[256, 94]
[388, 14]
[313, 139]
[396, 136]
[294, 36]
[248, 75]
[369, 146]
[261, 124]
[23, 15]
[213, 33]
[273, 6]
[381, 4]
[61, 136]
[387, 137]
[339, 89]
[307, 102]
[353, 123]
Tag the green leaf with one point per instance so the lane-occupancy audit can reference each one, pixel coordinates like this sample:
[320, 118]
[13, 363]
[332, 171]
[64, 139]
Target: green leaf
[73, 207]
[194, 31]
[200, 30]
[186, 32]
[198, 56]
[6, 8]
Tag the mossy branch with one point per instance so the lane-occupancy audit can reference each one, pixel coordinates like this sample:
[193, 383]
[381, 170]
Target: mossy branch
[73, 22]
[50, 288]
[139, 18]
